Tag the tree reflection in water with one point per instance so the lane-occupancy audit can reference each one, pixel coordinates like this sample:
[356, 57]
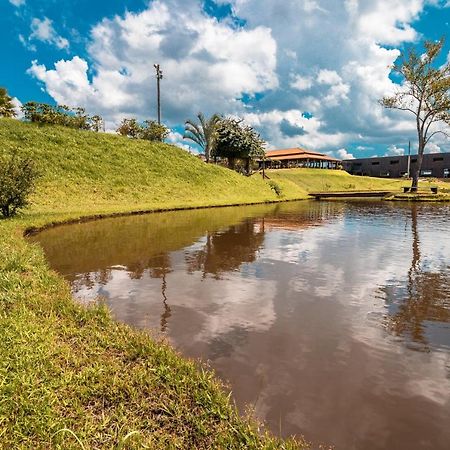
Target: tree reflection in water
[227, 250]
[162, 267]
[425, 298]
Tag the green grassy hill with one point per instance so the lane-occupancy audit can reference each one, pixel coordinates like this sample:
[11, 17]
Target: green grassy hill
[311, 180]
[86, 172]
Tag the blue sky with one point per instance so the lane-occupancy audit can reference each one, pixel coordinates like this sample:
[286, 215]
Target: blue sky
[303, 72]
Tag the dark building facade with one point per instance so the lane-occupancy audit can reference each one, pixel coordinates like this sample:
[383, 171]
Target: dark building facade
[433, 165]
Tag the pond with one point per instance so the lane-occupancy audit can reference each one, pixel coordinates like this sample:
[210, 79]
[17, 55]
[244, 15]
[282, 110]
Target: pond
[328, 319]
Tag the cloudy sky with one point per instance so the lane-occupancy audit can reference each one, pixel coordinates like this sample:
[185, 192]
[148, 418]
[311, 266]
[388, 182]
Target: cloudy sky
[302, 72]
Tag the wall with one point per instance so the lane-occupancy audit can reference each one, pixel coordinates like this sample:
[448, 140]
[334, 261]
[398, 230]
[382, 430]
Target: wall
[433, 165]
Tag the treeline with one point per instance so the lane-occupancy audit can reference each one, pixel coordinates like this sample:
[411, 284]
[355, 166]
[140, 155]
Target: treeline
[62, 115]
[79, 119]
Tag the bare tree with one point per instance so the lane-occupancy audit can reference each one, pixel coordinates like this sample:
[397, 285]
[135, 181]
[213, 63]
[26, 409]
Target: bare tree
[424, 93]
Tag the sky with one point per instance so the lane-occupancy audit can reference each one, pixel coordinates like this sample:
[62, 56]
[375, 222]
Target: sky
[303, 73]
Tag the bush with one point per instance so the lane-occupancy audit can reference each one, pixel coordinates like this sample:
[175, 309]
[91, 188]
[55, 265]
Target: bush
[275, 187]
[6, 104]
[17, 179]
[61, 115]
[149, 130]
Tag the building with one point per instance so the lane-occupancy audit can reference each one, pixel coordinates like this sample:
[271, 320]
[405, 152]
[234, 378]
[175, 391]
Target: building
[299, 157]
[433, 165]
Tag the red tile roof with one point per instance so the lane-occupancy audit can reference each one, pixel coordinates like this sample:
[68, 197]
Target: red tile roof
[297, 153]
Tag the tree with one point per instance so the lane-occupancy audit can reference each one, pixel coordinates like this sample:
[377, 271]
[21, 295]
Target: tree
[6, 104]
[61, 115]
[153, 131]
[149, 130]
[238, 141]
[425, 94]
[96, 123]
[17, 178]
[129, 128]
[203, 133]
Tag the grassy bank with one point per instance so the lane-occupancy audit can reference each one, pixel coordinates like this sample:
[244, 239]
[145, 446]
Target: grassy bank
[71, 377]
[65, 367]
[296, 182]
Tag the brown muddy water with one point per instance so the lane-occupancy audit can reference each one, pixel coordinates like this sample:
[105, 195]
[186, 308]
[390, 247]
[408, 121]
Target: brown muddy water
[330, 320]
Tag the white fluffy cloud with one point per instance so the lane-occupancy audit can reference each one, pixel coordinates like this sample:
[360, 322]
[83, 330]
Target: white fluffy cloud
[17, 107]
[43, 30]
[294, 56]
[207, 65]
[342, 153]
[393, 150]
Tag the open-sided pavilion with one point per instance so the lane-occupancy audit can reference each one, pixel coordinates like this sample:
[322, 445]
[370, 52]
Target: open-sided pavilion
[299, 157]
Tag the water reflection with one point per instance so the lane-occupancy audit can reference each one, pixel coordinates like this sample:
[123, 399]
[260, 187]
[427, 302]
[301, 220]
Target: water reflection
[225, 251]
[313, 312]
[423, 298]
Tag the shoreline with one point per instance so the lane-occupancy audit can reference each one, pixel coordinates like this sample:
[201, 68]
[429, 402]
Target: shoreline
[40, 300]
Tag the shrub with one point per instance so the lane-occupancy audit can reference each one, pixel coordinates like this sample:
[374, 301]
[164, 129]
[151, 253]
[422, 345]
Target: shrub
[61, 115]
[17, 179]
[149, 130]
[6, 104]
[275, 187]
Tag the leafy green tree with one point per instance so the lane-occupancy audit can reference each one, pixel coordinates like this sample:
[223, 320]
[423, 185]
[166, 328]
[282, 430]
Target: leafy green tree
[424, 93]
[153, 131]
[6, 104]
[203, 133]
[149, 130]
[238, 141]
[61, 115]
[129, 128]
[17, 180]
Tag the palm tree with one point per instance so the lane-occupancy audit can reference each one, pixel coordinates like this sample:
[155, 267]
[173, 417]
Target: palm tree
[203, 133]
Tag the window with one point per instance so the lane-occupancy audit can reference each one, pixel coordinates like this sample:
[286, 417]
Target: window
[376, 163]
[414, 160]
[439, 158]
[395, 161]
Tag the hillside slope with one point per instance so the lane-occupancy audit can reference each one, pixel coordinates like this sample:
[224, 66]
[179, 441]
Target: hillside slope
[96, 172]
[71, 377]
[311, 180]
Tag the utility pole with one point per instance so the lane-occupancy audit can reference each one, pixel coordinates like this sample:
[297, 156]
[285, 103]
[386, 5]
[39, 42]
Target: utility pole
[159, 77]
[409, 158]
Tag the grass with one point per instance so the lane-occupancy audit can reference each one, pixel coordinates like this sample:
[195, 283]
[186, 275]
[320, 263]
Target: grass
[70, 376]
[297, 182]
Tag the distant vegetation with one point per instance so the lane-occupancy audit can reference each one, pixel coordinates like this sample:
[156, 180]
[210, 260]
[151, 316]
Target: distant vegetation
[149, 130]
[6, 104]
[61, 115]
[225, 137]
